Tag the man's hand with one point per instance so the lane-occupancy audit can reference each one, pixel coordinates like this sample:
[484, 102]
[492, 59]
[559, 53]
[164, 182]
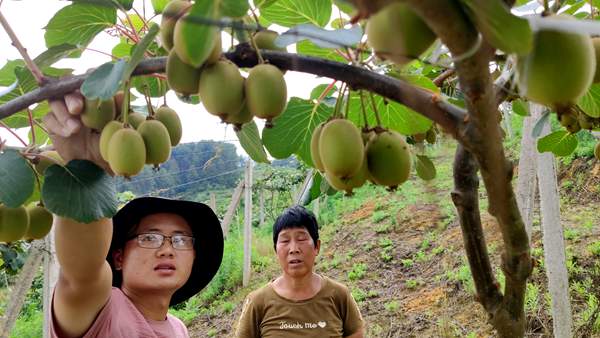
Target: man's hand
[69, 136]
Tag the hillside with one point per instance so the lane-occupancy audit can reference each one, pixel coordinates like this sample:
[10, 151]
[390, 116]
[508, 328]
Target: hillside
[401, 253]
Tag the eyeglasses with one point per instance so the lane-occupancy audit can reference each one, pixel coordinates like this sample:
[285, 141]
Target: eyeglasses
[155, 241]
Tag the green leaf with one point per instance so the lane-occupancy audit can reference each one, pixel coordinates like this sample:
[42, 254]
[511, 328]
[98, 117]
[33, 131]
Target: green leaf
[520, 108]
[78, 24]
[295, 126]
[81, 191]
[159, 5]
[26, 83]
[318, 91]
[500, 27]
[393, 115]
[104, 82]
[560, 143]
[156, 87]
[345, 7]
[127, 4]
[16, 179]
[425, 168]
[289, 13]
[324, 38]
[56, 53]
[122, 49]
[310, 49]
[41, 137]
[197, 36]
[251, 142]
[7, 72]
[417, 81]
[539, 124]
[590, 102]
[234, 8]
[140, 48]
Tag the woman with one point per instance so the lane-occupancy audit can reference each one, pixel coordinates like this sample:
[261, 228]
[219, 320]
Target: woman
[299, 303]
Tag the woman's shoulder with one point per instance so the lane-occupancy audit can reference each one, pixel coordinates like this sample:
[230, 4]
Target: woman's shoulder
[332, 287]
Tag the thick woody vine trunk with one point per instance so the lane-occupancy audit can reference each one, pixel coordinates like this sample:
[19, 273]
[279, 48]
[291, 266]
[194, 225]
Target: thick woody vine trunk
[483, 139]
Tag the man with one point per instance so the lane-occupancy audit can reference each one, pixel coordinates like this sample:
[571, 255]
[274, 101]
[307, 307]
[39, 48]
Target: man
[118, 277]
[299, 303]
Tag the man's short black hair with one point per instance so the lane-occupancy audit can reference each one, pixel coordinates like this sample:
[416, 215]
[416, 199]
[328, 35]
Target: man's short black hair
[296, 216]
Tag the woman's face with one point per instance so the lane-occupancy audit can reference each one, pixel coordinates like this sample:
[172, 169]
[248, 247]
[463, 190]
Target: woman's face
[296, 252]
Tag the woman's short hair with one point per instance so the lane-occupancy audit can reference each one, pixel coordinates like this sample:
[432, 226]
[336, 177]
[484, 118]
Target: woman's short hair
[296, 216]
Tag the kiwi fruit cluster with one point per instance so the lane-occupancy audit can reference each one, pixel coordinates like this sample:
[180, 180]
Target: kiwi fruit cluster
[349, 157]
[32, 222]
[222, 89]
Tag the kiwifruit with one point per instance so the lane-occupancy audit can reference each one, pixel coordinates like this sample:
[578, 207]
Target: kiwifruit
[126, 152]
[156, 140]
[351, 183]
[181, 77]
[107, 133]
[266, 92]
[570, 123]
[97, 113]
[222, 88]
[40, 222]
[397, 33]
[48, 158]
[13, 223]
[240, 118]
[196, 54]
[314, 147]
[216, 52]
[171, 120]
[543, 77]
[596, 44]
[135, 118]
[171, 13]
[265, 39]
[341, 148]
[388, 159]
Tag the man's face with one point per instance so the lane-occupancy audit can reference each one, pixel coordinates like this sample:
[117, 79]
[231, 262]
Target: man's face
[161, 269]
[296, 251]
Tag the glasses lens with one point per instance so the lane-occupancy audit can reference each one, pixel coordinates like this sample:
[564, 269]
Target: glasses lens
[150, 241]
[182, 242]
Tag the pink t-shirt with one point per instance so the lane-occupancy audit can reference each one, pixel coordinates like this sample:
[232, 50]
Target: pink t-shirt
[119, 318]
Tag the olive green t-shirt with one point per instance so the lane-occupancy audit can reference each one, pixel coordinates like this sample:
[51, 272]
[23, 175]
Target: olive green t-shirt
[331, 313]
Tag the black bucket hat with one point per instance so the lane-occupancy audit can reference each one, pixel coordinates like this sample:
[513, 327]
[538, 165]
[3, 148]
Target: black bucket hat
[205, 227]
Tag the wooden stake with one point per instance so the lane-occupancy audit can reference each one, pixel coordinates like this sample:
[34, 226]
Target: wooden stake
[247, 224]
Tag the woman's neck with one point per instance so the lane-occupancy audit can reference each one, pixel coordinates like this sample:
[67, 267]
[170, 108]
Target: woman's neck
[298, 288]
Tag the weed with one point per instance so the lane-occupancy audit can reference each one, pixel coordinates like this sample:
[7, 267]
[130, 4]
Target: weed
[385, 242]
[227, 307]
[383, 228]
[571, 234]
[420, 256]
[212, 332]
[373, 294]
[379, 216]
[594, 248]
[358, 271]
[407, 263]
[386, 254]
[392, 306]
[350, 254]
[368, 246]
[412, 283]
[358, 294]
[438, 250]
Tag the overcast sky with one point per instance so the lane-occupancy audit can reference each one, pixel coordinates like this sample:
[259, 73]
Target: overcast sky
[28, 17]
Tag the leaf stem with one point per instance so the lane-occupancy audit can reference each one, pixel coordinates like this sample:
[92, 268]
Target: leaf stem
[348, 92]
[35, 70]
[13, 133]
[30, 116]
[338, 100]
[326, 91]
[148, 101]
[125, 104]
[375, 109]
[260, 58]
[362, 107]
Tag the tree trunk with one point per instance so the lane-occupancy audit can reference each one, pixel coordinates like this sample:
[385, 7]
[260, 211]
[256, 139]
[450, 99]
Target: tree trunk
[51, 269]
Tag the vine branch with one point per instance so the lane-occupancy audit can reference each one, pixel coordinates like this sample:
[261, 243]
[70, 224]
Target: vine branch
[35, 70]
[425, 102]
